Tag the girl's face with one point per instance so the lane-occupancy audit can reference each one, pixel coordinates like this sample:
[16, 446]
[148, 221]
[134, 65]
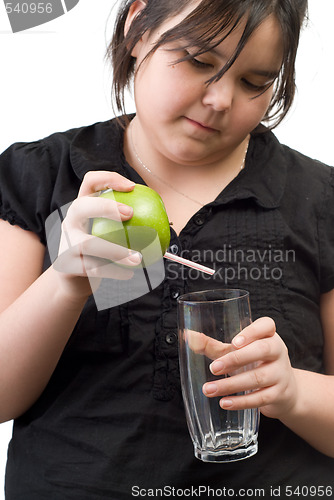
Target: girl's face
[190, 122]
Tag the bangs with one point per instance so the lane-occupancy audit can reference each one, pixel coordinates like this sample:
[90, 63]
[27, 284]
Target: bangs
[210, 23]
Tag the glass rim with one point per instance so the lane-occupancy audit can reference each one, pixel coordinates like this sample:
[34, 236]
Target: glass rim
[190, 297]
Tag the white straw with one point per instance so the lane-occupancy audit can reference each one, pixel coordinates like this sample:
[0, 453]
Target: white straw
[189, 263]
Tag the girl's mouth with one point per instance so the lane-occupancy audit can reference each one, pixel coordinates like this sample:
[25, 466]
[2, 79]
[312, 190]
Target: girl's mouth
[201, 126]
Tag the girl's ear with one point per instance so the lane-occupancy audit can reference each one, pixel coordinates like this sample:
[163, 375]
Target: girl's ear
[135, 8]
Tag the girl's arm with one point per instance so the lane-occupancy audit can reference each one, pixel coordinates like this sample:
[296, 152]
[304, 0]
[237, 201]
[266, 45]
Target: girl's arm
[327, 318]
[312, 416]
[36, 320]
[38, 311]
[302, 400]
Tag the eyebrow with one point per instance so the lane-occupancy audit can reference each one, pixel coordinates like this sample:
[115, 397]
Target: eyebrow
[269, 74]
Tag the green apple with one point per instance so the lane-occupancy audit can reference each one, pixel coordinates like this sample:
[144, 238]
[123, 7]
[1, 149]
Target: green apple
[148, 230]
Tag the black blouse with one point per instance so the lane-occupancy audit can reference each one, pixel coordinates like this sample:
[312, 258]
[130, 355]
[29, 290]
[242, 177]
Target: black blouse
[111, 420]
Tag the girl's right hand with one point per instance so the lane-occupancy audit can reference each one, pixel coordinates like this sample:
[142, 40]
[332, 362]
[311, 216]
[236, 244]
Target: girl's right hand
[83, 260]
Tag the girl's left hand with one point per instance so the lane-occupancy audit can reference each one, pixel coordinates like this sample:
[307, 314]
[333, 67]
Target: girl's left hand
[271, 378]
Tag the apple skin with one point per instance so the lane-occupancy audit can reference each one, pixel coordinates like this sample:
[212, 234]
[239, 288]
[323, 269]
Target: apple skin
[139, 233]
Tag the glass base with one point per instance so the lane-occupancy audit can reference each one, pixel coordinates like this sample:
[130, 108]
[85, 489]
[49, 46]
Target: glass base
[221, 456]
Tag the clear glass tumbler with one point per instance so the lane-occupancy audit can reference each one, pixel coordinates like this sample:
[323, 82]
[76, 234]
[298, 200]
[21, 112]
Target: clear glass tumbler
[208, 320]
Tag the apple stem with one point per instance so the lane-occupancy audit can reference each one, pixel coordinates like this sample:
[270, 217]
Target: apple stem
[189, 263]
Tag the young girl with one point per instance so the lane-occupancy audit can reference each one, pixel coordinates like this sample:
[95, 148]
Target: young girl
[95, 394]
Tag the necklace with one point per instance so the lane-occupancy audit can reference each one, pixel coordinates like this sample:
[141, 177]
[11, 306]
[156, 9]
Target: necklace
[166, 182]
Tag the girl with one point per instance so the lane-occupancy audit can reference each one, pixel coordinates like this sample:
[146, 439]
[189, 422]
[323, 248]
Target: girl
[96, 393]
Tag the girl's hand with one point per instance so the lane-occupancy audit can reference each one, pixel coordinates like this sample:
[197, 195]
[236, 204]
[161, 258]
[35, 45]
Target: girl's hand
[82, 255]
[271, 377]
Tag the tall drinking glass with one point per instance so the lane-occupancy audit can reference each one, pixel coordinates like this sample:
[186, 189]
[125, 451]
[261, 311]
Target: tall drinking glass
[208, 321]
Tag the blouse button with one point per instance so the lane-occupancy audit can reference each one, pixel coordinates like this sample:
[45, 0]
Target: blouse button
[199, 220]
[171, 338]
[174, 249]
[174, 293]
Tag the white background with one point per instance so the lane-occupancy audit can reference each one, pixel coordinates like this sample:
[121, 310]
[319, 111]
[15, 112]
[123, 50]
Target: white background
[54, 77]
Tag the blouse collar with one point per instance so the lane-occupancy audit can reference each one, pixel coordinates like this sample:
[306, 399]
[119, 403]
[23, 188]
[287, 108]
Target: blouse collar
[100, 147]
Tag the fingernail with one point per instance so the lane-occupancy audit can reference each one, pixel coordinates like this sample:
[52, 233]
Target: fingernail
[135, 257]
[226, 403]
[125, 209]
[129, 184]
[209, 389]
[239, 340]
[216, 367]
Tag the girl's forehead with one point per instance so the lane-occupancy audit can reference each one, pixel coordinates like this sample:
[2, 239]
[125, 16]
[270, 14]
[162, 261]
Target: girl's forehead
[197, 31]
[195, 22]
[177, 19]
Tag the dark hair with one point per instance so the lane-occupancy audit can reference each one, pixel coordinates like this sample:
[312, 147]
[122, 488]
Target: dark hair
[206, 26]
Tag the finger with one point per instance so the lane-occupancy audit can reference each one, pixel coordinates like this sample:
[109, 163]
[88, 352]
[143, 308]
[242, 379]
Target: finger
[202, 344]
[95, 181]
[86, 266]
[250, 380]
[259, 329]
[98, 247]
[99, 268]
[88, 207]
[259, 351]
[257, 399]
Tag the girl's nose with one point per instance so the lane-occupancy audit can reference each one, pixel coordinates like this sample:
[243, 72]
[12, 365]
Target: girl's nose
[219, 95]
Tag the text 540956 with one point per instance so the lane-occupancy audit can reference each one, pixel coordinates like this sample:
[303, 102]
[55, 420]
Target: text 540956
[28, 8]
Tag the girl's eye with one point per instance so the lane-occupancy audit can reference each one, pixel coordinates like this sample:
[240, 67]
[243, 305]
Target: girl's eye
[254, 87]
[197, 63]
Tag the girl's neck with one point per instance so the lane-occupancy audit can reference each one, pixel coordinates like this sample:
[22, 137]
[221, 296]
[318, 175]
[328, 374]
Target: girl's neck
[162, 174]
